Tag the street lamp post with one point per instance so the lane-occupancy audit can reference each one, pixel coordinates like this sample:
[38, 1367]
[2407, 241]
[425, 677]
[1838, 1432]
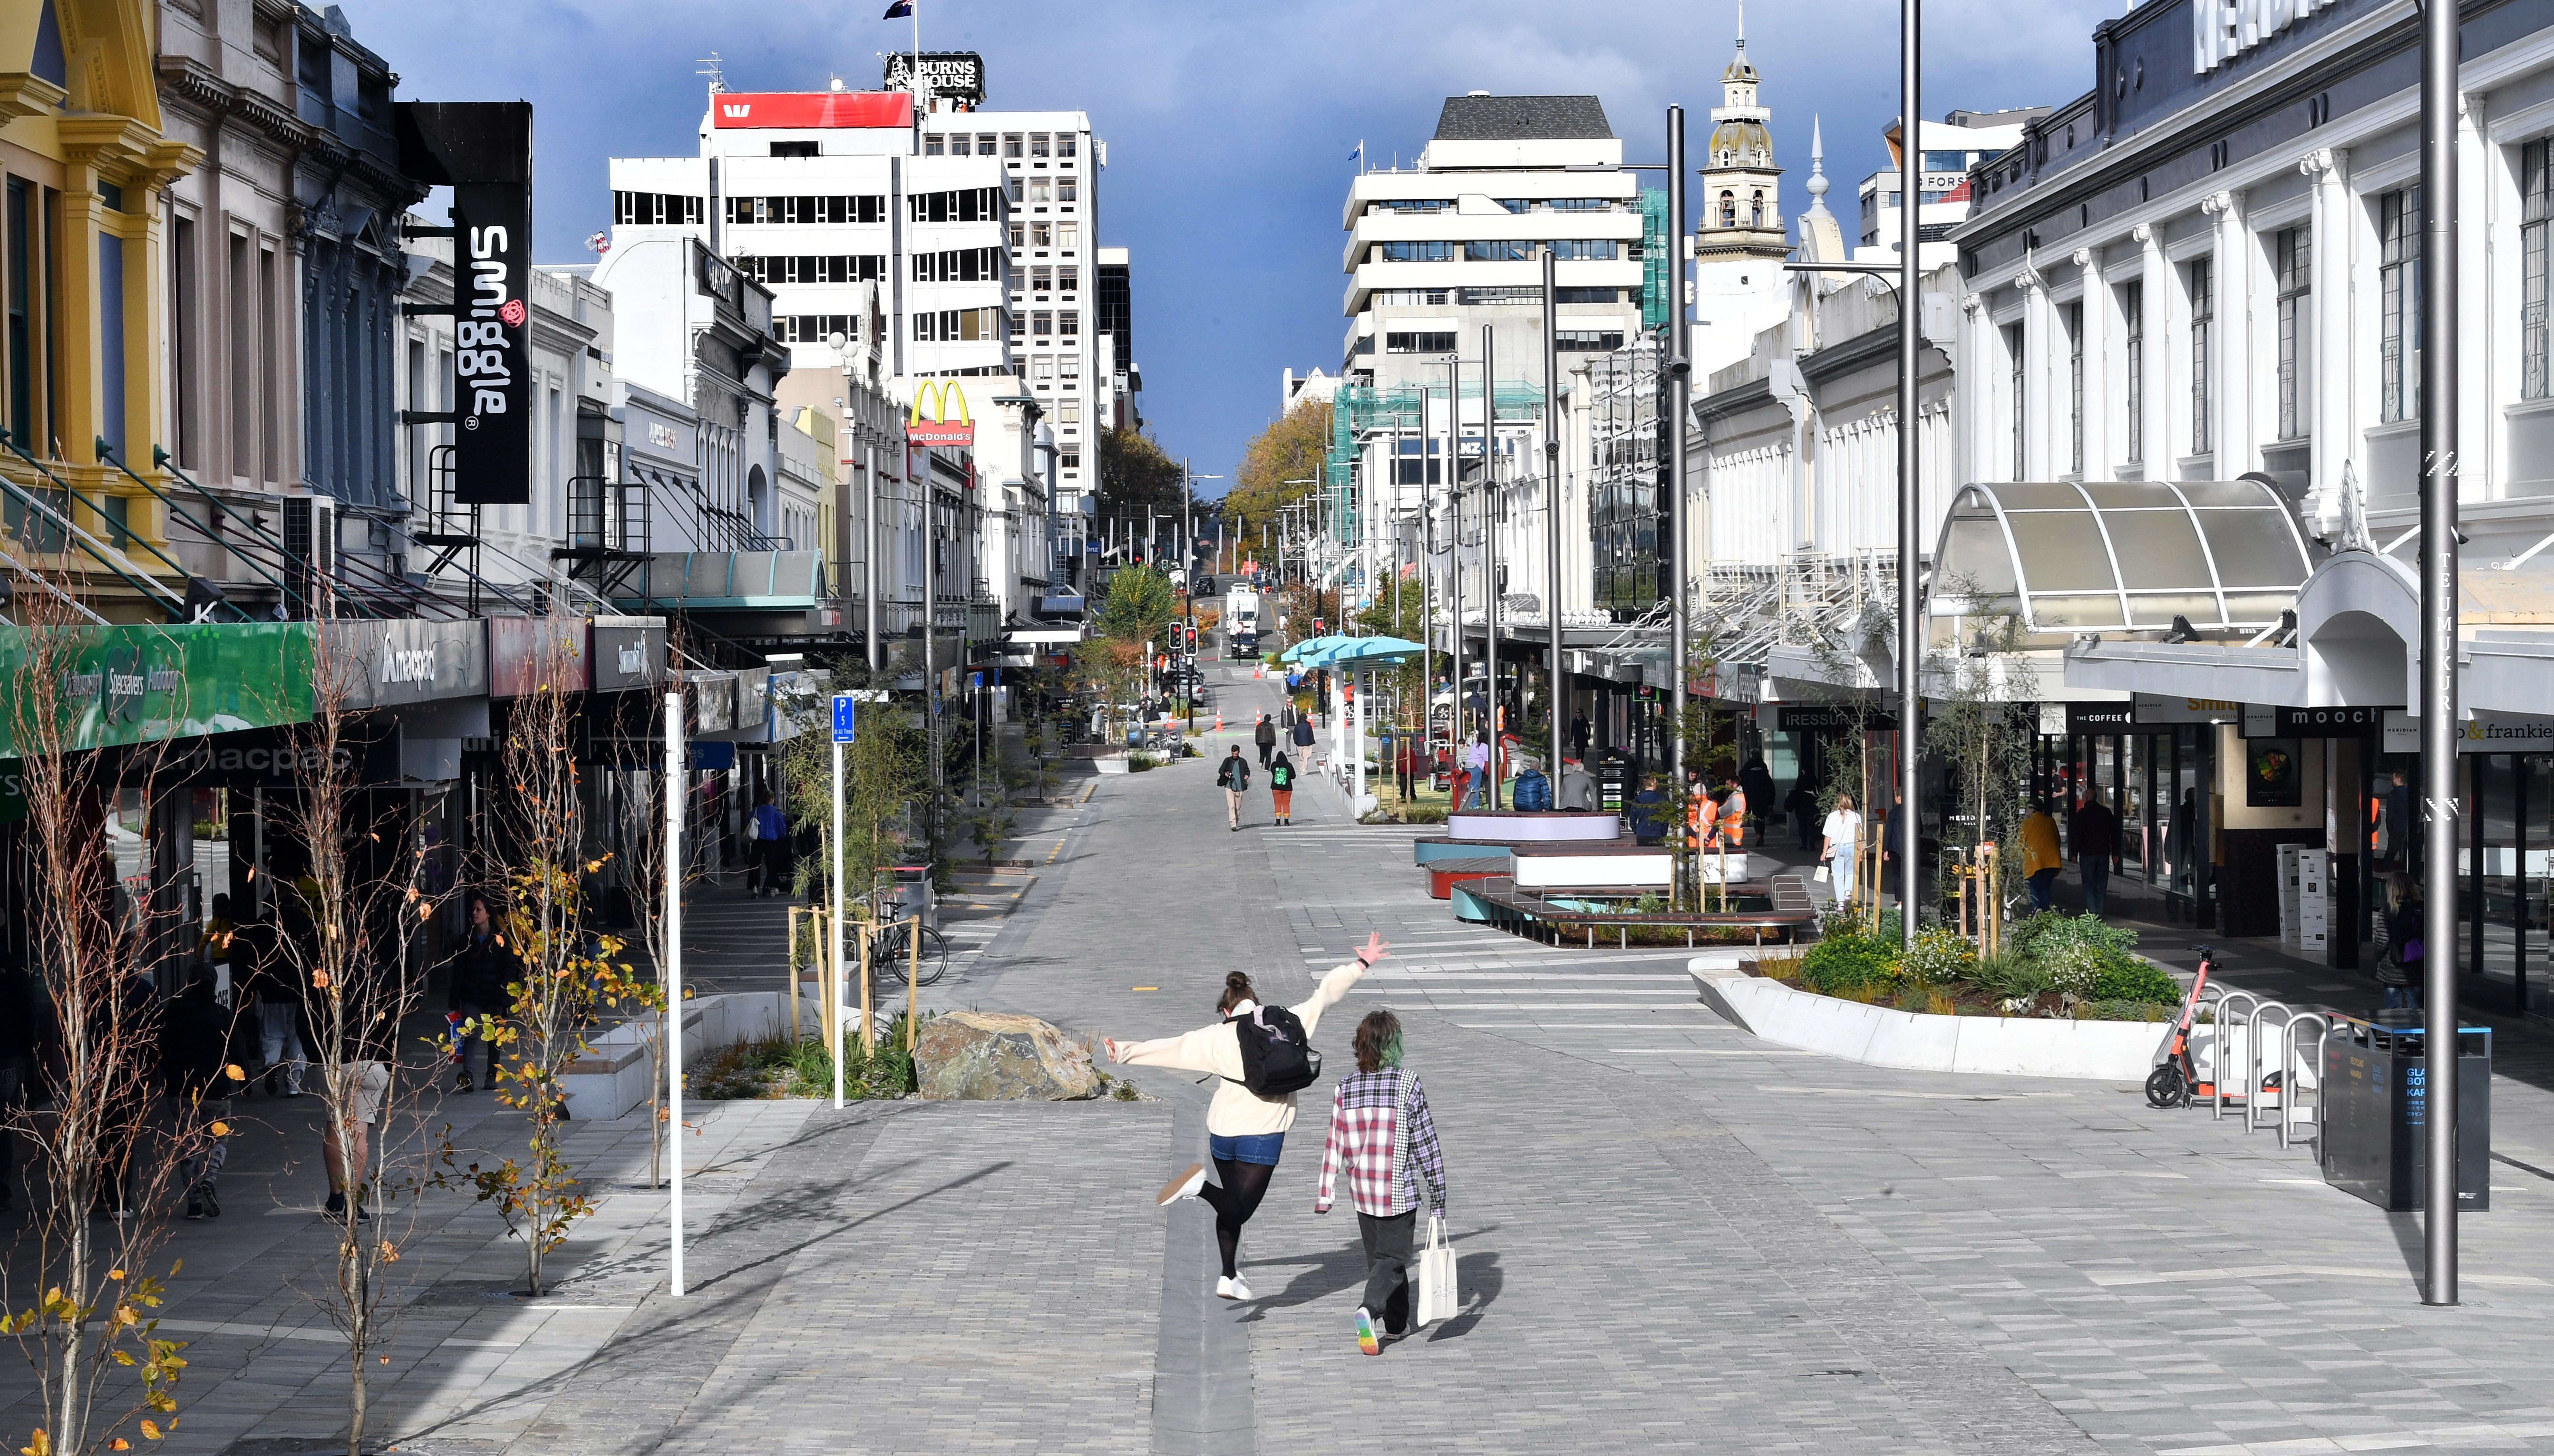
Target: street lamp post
[1551, 503]
[1490, 511]
[1679, 392]
[1911, 639]
[863, 433]
[2439, 465]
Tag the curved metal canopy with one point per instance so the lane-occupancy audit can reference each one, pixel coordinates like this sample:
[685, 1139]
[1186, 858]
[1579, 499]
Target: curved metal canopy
[2119, 556]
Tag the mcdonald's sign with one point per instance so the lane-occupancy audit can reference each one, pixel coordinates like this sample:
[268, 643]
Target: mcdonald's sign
[939, 415]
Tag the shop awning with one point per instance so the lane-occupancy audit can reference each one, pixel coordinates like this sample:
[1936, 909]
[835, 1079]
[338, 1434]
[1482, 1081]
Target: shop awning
[2118, 556]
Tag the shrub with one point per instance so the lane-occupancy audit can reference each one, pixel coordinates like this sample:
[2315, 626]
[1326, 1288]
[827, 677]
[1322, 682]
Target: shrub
[2073, 966]
[1941, 957]
[1845, 960]
[2131, 979]
[2125, 1010]
[2010, 977]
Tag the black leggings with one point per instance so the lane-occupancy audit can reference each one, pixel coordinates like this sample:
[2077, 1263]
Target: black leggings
[1243, 1184]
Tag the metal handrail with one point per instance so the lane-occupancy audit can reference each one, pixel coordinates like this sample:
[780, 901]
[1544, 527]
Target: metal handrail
[107, 556]
[2292, 1065]
[106, 453]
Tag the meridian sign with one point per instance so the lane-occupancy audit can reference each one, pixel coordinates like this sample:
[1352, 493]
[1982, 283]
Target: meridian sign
[2226, 29]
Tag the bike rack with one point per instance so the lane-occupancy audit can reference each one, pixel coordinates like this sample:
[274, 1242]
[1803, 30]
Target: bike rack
[2284, 1017]
[2220, 1058]
[2291, 1061]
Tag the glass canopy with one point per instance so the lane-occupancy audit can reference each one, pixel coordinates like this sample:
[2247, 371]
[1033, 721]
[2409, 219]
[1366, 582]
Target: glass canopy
[2118, 556]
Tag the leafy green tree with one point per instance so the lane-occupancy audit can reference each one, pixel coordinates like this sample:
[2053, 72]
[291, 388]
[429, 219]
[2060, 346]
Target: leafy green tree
[1138, 606]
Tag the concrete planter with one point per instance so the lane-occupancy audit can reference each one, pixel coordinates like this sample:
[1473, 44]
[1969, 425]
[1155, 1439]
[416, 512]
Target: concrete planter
[1878, 1036]
[1112, 764]
[612, 1078]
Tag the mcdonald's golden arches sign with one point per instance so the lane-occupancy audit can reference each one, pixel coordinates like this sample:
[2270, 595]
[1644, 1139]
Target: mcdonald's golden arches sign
[939, 415]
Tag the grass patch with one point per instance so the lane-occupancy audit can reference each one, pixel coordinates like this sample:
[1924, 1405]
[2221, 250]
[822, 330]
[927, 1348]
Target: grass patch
[779, 1068]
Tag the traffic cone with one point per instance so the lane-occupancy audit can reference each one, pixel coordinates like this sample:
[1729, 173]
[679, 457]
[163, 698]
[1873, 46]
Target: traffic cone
[1219, 723]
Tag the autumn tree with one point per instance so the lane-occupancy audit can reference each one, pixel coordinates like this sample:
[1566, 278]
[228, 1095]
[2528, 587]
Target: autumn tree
[1275, 468]
[1138, 606]
[1135, 475]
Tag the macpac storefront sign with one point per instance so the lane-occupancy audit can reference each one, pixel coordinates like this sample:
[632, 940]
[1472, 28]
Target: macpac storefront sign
[483, 150]
[132, 684]
[939, 415]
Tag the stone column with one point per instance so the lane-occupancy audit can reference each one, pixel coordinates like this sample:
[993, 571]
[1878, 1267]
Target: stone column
[2230, 396]
[2039, 377]
[2330, 425]
[2153, 434]
[2098, 366]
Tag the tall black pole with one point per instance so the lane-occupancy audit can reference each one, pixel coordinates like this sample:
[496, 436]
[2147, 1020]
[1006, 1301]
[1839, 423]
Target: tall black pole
[1911, 343]
[1449, 469]
[1679, 392]
[1552, 509]
[2439, 639]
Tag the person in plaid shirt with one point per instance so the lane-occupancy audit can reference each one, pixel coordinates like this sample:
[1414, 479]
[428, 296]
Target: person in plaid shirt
[1383, 1138]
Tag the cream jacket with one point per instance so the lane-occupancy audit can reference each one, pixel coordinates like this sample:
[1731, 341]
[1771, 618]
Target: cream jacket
[1237, 1111]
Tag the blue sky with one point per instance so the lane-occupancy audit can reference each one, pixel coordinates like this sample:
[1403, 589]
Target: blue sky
[1228, 124]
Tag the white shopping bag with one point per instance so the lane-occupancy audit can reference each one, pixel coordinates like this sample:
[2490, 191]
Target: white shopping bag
[1821, 875]
[1436, 1297]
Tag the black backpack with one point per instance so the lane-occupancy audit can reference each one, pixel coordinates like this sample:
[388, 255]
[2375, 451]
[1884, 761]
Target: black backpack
[1277, 1055]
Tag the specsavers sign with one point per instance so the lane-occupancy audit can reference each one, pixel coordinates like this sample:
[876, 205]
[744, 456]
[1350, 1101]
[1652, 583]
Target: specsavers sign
[135, 683]
[939, 415]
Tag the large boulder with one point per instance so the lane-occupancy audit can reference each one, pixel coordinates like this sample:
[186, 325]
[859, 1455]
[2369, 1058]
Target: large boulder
[990, 1056]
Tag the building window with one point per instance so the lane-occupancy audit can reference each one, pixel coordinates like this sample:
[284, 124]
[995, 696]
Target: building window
[2203, 323]
[1067, 145]
[1010, 144]
[654, 209]
[1037, 145]
[958, 145]
[1436, 252]
[934, 145]
[1041, 278]
[1419, 343]
[803, 210]
[1729, 210]
[1581, 250]
[1068, 190]
[2294, 254]
[1019, 191]
[2015, 381]
[1068, 278]
[984, 143]
[1067, 236]
[1072, 365]
[1042, 368]
[1586, 295]
[2133, 323]
[813, 267]
[1041, 235]
[811, 328]
[1069, 323]
[2535, 209]
[956, 325]
[1498, 250]
[1068, 412]
[962, 204]
[1755, 213]
[1586, 341]
[1018, 232]
[1019, 280]
[1069, 457]
[1041, 325]
[1408, 206]
[1041, 192]
[958, 266]
[2075, 387]
[2398, 306]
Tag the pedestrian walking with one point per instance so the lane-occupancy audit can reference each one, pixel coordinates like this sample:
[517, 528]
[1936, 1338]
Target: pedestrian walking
[1579, 736]
[2405, 965]
[1650, 813]
[481, 971]
[1303, 732]
[2040, 859]
[262, 973]
[196, 1061]
[1247, 1124]
[1758, 781]
[770, 847]
[1281, 788]
[1805, 809]
[1234, 777]
[1384, 1139]
[1843, 837]
[1478, 759]
[2097, 839]
[1265, 736]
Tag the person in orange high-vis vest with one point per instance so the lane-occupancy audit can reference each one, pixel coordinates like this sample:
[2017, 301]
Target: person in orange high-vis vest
[1702, 817]
[1733, 816]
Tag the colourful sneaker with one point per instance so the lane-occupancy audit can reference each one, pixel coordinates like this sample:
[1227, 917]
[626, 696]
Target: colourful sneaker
[1366, 1340]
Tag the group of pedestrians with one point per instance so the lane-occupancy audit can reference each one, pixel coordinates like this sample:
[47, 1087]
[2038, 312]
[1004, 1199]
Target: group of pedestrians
[1382, 1138]
[1232, 776]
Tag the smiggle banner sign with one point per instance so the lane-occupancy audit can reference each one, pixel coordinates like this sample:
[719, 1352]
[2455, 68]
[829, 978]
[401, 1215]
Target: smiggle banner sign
[483, 150]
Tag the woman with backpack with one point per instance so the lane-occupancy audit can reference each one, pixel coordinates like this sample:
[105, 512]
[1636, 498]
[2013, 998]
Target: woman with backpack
[1281, 787]
[1265, 1055]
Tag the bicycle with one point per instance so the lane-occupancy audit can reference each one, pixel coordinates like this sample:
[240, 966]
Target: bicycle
[891, 955]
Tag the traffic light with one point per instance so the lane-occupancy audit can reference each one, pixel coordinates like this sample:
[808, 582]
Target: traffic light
[1317, 627]
[1187, 637]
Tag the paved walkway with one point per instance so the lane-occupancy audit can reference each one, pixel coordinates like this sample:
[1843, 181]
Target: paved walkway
[1674, 1236]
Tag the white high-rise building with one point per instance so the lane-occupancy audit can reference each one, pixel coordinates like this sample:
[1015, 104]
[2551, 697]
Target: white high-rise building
[1951, 147]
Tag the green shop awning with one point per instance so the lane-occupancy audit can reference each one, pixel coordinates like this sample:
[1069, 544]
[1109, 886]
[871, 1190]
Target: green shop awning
[137, 684]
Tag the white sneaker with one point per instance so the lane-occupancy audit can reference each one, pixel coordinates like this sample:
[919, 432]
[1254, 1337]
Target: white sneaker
[1230, 1288]
[1184, 1184]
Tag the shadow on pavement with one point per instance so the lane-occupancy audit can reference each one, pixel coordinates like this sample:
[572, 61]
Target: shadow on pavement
[1481, 1278]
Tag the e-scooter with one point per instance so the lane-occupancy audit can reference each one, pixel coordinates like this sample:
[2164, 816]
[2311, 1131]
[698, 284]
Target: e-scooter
[2176, 1080]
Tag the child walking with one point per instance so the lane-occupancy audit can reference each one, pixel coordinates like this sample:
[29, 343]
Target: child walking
[1383, 1136]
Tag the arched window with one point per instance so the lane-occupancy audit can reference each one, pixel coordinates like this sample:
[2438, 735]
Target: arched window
[1728, 210]
[1756, 213]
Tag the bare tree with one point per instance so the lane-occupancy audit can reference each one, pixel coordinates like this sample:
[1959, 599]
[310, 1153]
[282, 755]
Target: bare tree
[77, 1290]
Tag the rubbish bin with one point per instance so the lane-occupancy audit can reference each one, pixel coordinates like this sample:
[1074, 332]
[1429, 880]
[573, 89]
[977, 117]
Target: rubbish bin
[909, 894]
[2375, 1139]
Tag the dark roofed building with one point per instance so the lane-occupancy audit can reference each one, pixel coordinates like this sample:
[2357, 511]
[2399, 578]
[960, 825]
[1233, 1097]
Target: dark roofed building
[1478, 118]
